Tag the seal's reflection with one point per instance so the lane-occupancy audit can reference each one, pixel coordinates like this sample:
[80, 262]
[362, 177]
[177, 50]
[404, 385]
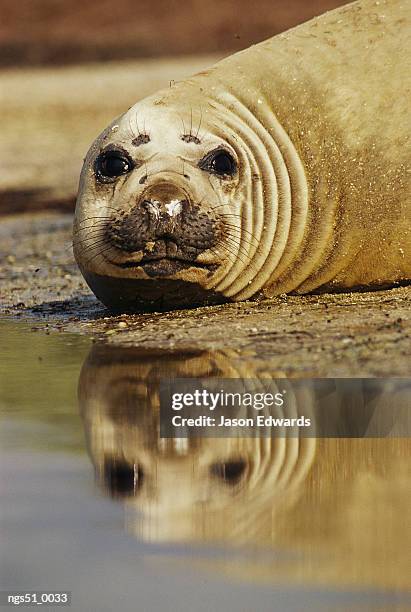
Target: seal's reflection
[186, 488]
[210, 489]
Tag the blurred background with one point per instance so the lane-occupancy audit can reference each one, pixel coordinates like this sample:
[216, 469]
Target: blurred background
[57, 32]
[68, 68]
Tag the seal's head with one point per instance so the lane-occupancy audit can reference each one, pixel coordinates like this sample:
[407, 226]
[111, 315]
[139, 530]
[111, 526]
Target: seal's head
[154, 226]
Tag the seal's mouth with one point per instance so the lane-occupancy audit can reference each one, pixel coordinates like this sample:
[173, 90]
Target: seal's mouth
[165, 266]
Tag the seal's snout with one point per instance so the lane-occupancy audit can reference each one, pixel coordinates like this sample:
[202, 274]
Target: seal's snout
[164, 198]
[165, 205]
[164, 232]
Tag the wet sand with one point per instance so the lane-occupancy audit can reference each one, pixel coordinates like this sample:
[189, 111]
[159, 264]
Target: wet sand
[352, 334]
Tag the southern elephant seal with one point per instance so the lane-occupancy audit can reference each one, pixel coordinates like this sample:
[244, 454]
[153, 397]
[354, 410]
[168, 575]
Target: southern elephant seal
[281, 169]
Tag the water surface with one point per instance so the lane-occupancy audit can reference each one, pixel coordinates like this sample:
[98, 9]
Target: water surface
[94, 502]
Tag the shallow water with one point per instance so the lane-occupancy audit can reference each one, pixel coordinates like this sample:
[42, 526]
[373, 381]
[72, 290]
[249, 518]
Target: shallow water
[95, 503]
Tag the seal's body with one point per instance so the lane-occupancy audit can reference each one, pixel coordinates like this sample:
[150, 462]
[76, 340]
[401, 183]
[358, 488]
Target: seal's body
[281, 169]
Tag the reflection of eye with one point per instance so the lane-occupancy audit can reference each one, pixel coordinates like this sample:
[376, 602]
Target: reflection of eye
[219, 162]
[109, 165]
[121, 478]
[230, 472]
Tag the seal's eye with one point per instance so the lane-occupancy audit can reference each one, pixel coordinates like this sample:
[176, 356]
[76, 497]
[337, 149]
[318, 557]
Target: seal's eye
[110, 165]
[229, 472]
[219, 162]
[121, 478]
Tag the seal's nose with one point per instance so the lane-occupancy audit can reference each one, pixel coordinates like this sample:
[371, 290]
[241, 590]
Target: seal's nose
[165, 204]
[164, 200]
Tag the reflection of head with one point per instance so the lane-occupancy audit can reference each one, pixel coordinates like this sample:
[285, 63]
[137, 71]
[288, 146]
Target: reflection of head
[335, 507]
[192, 488]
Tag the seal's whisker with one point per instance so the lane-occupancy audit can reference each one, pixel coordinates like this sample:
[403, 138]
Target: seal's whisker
[87, 246]
[233, 221]
[94, 222]
[87, 229]
[241, 230]
[235, 239]
[85, 240]
[250, 263]
[217, 254]
[234, 254]
[94, 245]
[101, 252]
[95, 236]
[144, 127]
[74, 243]
[199, 125]
[97, 226]
[237, 227]
[242, 246]
[138, 129]
[131, 132]
[230, 215]
[92, 249]
[211, 184]
[96, 217]
[109, 208]
[234, 242]
[240, 233]
[238, 246]
[182, 122]
[242, 243]
[218, 206]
